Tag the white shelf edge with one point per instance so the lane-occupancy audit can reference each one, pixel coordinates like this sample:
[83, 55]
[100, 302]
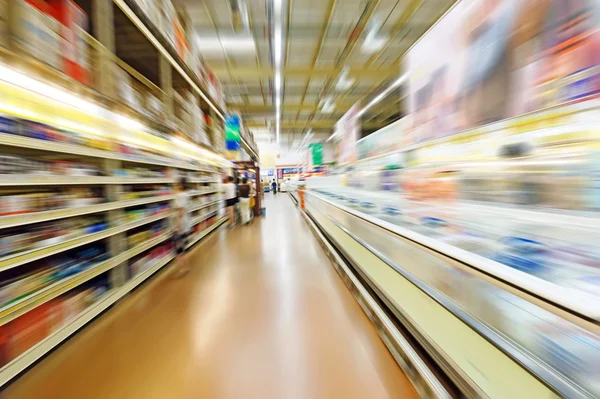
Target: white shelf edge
[204, 205]
[55, 180]
[205, 193]
[44, 216]
[206, 232]
[14, 140]
[204, 217]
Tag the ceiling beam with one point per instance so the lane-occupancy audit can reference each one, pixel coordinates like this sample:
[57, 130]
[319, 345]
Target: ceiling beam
[308, 31]
[348, 48]
[400, 24]
[257, 55]
[222, 72]
[227, 59]
[324, 28]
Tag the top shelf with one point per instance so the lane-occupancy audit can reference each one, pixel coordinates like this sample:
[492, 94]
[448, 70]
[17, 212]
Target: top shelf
[152, 33]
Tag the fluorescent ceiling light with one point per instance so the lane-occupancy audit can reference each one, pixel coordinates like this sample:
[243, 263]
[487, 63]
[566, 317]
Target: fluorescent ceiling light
[383, 94]
[277, 59]
[374, 43]
[328, 108]
[277, 82]
[231, 44]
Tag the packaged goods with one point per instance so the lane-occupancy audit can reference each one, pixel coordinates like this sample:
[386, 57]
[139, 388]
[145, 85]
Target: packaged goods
[153, 106]
[74, 24]
[35, 30]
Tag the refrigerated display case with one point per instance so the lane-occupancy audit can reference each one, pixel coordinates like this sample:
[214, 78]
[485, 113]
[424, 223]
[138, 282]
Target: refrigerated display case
[483, 246]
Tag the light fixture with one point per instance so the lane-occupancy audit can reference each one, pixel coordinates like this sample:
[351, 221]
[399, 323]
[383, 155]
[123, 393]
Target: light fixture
[242, 44]
[383, 94]
[277, 60]
[374, 41]
[344, 82]
[373, 44]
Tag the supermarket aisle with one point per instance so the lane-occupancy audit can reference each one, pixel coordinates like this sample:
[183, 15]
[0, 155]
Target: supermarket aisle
[262, 315]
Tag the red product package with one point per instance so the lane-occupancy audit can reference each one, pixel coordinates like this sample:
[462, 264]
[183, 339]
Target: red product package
[29, 329]
[74, 46]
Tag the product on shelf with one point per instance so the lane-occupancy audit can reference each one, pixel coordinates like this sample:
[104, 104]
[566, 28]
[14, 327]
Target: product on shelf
[39, 167]
[26, 280]
[30, 237]
[149, 258]
[145, 233]
[74, 51]
[136, 213]
[140, 172]
[24, 332]
[16, 203]
[144, 191]
[35, 30]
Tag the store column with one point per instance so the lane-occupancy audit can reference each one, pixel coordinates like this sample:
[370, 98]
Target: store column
[104, 31]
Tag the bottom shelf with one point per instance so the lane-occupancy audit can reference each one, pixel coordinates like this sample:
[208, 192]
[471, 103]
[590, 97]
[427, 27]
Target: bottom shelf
[19, 364]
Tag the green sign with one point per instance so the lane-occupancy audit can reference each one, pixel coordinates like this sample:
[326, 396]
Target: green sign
[316, 150]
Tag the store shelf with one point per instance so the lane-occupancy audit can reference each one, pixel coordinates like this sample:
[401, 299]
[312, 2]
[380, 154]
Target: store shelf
[204, 205]
[15, 367]
[44, 216]
[194, 194]
[29, 357]
[202, 218]
[28, 303]
[576, 301]
[32, 180]
[20, 258]
[147, 28]
[204, 181]
[468, 350]
[64, 148]
[204, 233]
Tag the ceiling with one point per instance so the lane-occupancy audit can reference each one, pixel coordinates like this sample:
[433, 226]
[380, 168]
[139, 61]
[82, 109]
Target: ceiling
[321, 37]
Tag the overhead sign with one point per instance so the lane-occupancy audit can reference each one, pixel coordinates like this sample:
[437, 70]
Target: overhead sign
[232, 133]
[316, 152]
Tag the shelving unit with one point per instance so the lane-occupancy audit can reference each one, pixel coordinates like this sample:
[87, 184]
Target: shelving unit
[96, 220]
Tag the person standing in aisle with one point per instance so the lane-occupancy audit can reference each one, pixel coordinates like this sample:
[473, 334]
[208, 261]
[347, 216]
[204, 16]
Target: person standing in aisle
[183, 228]
[230, 191]
[244, 189]
[274, 186]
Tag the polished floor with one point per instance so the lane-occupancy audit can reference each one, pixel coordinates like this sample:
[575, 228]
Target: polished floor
[262, 314]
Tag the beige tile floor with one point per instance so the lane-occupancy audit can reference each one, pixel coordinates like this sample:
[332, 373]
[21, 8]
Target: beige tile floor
[262, 314]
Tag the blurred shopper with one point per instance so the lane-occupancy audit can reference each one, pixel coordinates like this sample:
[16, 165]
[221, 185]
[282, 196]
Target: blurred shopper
[274, 186]
[230, 191]
[183, 228]
[245, 201]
